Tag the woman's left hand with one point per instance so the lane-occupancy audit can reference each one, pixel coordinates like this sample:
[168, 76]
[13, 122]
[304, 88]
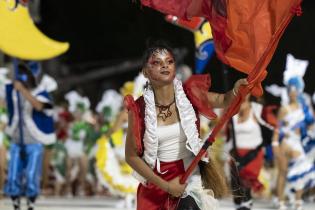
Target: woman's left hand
[238, 83]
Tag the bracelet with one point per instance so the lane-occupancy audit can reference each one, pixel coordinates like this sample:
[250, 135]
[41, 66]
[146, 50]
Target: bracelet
[234, 93]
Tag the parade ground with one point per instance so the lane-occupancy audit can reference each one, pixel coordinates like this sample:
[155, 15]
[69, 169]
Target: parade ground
[106, 203]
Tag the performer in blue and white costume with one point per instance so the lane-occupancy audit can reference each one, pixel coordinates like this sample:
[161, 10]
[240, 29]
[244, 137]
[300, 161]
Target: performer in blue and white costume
[30, 126]
[294, 118]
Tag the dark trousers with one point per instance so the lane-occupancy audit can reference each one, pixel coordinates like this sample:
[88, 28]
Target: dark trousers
[241, 195]
[187, 203]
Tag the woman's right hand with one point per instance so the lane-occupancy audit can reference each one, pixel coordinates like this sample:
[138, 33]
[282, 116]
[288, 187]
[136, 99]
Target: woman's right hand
[175, 188]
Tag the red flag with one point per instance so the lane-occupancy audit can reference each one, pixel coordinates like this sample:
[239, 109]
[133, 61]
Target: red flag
[242, 29]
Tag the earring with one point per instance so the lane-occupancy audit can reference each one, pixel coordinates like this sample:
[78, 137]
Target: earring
[146, 86]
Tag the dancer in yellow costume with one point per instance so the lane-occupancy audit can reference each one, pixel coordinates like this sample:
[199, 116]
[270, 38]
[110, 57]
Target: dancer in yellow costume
[112, 170]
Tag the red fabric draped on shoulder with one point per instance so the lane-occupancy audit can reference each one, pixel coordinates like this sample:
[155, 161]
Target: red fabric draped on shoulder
[136, 112]
[196, 89]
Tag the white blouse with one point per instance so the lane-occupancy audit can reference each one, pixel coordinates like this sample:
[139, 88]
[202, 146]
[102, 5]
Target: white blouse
[172, 143]
[247, 134]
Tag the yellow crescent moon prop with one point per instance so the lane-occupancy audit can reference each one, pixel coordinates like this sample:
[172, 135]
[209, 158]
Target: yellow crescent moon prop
[19, 37]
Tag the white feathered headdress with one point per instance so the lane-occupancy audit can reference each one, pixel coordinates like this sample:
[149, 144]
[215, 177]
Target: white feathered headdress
[48, 83]
[295, 69]
[75, 100]
[112, 99]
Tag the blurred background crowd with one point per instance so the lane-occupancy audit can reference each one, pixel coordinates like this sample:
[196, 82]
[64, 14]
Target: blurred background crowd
[88, 84]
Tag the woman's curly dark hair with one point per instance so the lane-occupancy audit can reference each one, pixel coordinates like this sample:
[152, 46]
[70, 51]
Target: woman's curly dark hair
[154, 47]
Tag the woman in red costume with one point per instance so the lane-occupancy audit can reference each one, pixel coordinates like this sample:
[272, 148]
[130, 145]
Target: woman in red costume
[163, 136]
[247, 144]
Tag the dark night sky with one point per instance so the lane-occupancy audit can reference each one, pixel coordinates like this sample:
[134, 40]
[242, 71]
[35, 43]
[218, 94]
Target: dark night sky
[105, 32]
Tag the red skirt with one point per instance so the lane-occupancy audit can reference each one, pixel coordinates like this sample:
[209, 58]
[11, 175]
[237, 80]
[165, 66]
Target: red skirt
[249, 173]
[151, 197]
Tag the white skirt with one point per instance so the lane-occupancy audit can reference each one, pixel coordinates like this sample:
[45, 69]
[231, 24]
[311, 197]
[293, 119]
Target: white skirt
[301, 174]
[75, 149]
